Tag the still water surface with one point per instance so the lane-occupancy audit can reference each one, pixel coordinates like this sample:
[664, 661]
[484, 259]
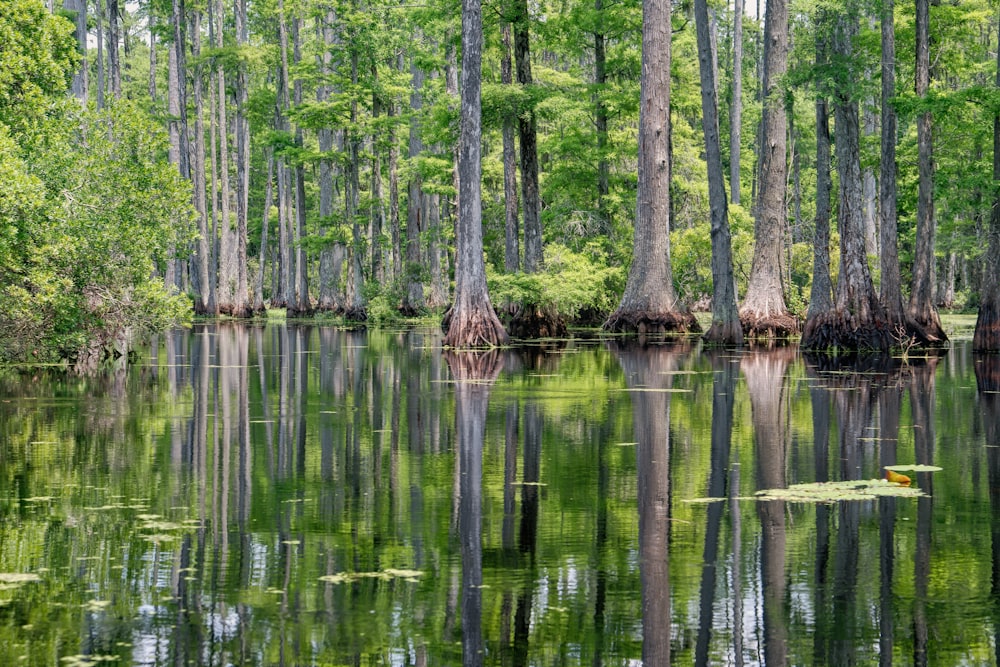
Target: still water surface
[313, 496]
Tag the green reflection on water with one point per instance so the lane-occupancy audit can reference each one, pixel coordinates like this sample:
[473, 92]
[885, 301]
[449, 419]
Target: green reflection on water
[278, 495]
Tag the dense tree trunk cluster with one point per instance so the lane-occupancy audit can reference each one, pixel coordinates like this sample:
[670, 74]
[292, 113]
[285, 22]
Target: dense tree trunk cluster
[296, 125]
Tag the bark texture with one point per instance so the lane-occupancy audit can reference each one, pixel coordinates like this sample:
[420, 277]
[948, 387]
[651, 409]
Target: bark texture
[987, 335]
[528, 135]
[726, 328]
[922, 309]
[856, 320]
[649, 304]
[764, 313]
[821, 293]
[471, 321]
[736, 110]
[512, 227]
[413, 297]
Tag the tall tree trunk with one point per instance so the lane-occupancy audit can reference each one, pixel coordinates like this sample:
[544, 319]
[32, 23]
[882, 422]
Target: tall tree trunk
[152, 54]
[922, 308]
[528, 133]
[258, 292]
[395, 257]
[649, 303]
[413, 297]
[987, 334]
[227, 292]
[100, 54]
[174, 151]
[726, 328]
[377, 213]
[114, 36]
[205, 305]
[891, 292]
[856, 321]
[763, 312]
[79, 8]
[601, 121]
[471, 321]
[301, 304]
[242, 305]
[214, 248]
[869, 188]
[821, 293]
[736, 108]
[355, 284]
[330, 297]
[512, 228]
[280, 295]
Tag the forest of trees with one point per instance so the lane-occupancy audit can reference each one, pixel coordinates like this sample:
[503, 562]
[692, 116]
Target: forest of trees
[819, 168]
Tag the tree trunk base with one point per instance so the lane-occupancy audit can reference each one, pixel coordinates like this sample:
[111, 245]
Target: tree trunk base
[769, 327]
[929, 325]
[838, 329]
[472, 327]
[987, 335]
[406, 310]
[238, 312]
[644, 322]
[532, 323]
[724, 333]
[356, 314]
[294, 311]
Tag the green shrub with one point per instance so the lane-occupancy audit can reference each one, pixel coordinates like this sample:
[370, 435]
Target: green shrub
[570, 284]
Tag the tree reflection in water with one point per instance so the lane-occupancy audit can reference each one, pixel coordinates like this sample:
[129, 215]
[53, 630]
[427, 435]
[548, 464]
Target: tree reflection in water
[474, 374]
[648, 376]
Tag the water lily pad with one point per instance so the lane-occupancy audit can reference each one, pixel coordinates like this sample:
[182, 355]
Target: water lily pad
[97, 605]
[161, 525]
[914, 468]
[385, 575]
[18, 578]
[699, 501]
[832, 492]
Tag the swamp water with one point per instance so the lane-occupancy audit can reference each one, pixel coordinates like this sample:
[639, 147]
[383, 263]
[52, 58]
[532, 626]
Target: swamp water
[313, 496]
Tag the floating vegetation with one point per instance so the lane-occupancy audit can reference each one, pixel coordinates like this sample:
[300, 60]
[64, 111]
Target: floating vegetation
[832, 492]
[626, 444]
[96, 605]
[703, 501]
[87, 660]
[12, 580]
[385, 575]
[161, 525]
[918, 467]
[656, 390]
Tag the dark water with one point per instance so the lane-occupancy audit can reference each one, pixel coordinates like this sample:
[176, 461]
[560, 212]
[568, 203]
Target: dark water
[310, 496]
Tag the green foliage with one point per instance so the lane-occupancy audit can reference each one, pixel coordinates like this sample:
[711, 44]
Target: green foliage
[570, 284]
[37, 57]
[89, 207]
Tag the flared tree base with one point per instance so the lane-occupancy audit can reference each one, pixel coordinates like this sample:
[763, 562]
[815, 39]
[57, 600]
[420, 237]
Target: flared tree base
[474, 326]
[987, 335]
[837, 329]
[295, 311]
[356, 314]
[238, 312]
[406, 310]
[530, 322]
[644, 322]
[771, 327]
[722, 333]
